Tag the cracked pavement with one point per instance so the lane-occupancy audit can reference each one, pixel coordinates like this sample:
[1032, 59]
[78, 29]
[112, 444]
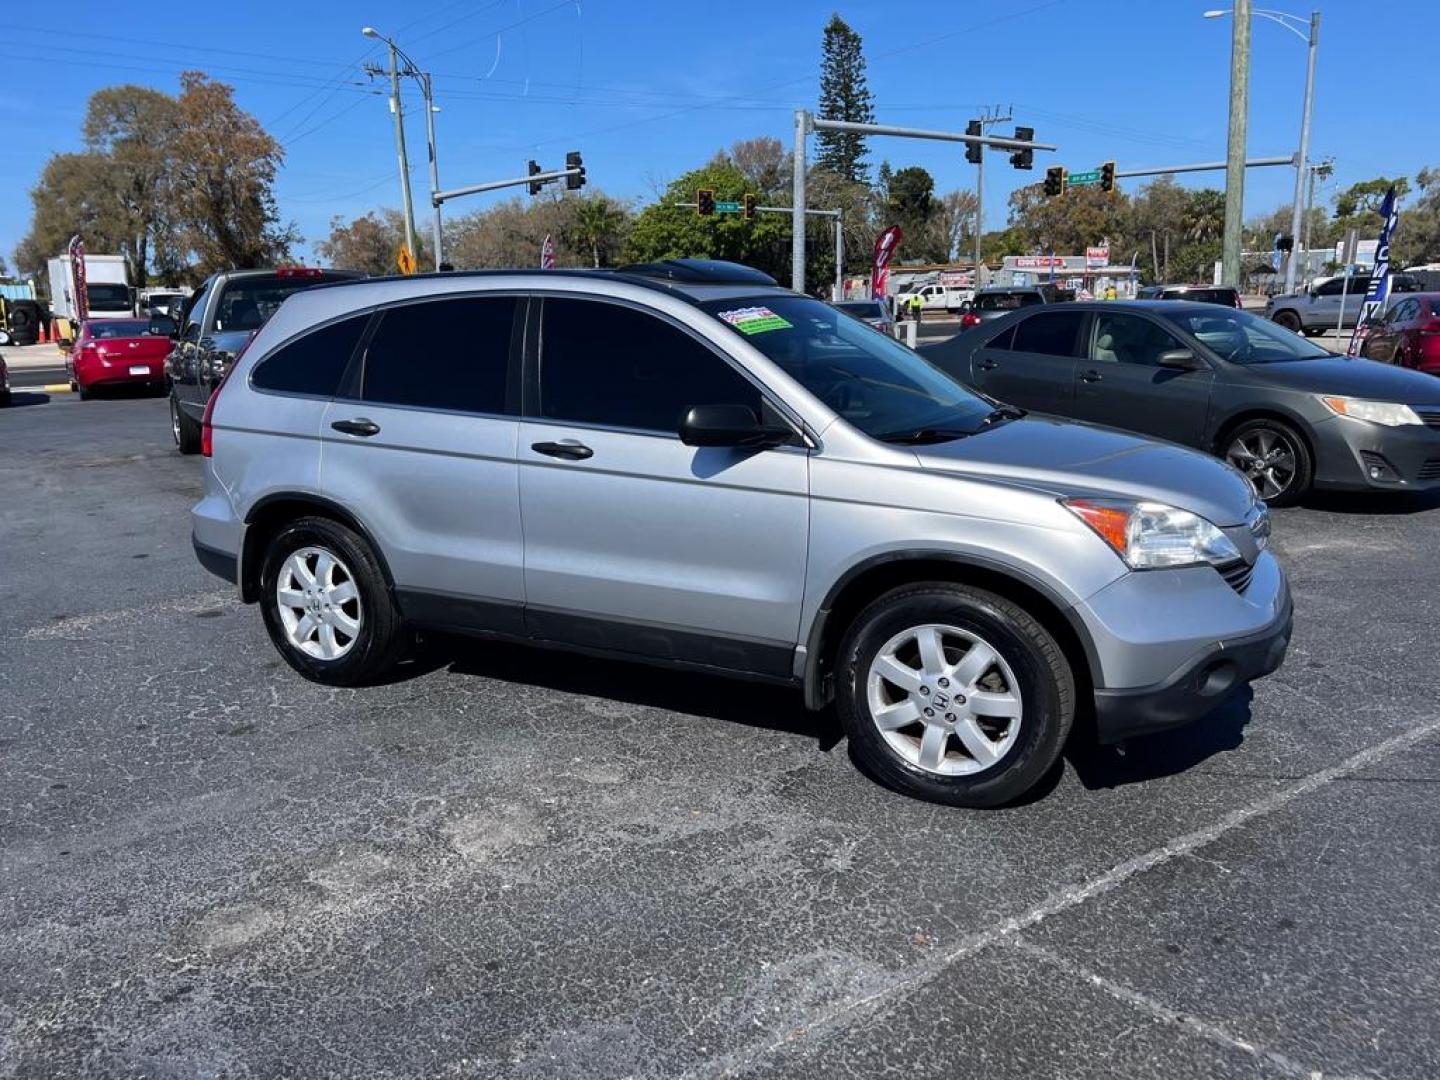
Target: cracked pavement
[512, 863]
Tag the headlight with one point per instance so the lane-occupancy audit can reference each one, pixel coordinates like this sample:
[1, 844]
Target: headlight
[1377, 412]
[1151, 536]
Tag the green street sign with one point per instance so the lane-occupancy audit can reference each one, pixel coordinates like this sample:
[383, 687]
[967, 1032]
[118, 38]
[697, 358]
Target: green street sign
[1080, 179]
[724, 207]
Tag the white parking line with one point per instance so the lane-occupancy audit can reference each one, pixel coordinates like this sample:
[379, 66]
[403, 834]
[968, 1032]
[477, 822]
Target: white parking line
[908, 981]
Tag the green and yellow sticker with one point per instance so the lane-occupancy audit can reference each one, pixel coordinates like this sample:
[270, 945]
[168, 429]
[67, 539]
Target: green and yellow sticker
[754, 320]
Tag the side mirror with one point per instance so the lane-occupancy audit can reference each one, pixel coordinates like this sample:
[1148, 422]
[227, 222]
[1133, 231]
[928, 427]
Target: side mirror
[729, 425]
[1180, 360]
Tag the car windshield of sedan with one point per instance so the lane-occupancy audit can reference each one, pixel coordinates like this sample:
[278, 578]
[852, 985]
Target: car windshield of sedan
[1242, 338]
[124, 328]
[872, 381]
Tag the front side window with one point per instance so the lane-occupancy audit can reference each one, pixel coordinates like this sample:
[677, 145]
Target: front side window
[615, 366]
[195, 312]
[442, 354]
[1243, 338]
[1051, 333]
[313, 364]
[872, 381]
[1129, 339]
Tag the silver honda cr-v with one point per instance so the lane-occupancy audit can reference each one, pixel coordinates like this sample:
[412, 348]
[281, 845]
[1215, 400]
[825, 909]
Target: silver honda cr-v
[683, 463]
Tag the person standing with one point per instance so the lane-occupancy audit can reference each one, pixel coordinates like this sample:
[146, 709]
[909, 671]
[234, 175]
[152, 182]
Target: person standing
[917, 305]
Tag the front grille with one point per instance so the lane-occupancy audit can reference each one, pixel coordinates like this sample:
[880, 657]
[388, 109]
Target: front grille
[1430, 470]
[1237, 574]
[1431, 416]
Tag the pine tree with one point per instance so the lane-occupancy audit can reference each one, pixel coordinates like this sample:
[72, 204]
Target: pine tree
[843, 96]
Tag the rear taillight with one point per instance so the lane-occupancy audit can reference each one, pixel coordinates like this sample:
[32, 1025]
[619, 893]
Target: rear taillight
[968, 320]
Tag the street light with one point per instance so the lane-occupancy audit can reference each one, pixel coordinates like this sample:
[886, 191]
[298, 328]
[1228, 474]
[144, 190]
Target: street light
[1293, 23]
[423, 78]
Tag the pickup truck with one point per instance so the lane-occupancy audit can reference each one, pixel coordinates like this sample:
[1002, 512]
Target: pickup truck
[1317, 309]
[217, 321]
[936, 298]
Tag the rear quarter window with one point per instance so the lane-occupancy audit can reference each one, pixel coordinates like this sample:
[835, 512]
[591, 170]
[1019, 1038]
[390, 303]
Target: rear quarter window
[314, 363]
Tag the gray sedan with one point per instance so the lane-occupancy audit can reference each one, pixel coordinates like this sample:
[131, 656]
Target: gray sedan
[1287, 413]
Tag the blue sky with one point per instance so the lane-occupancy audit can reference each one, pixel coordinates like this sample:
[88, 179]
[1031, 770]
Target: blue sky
[648, 90]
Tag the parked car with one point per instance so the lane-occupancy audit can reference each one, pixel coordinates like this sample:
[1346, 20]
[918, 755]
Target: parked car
[4, 383]
[1226, 295]
[217, 322]
[1287, 413]
[111, 353]
[1317, 309]
[1408, 334]
[695, 467]
[996, 302]
[871, 312]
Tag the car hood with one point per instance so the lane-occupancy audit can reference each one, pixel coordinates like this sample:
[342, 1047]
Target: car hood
[1073, 459]
[1352, 377]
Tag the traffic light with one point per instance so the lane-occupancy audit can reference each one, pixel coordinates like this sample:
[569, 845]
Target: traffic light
[749, 212]
[535, 185]
[974, 152]
[1107, 176]
[1054, 181]
[1024, 159]
[575, 181]
[704, 202]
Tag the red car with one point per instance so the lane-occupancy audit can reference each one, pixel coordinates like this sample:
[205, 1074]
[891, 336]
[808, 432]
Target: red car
[119, 352]
[1408, 334]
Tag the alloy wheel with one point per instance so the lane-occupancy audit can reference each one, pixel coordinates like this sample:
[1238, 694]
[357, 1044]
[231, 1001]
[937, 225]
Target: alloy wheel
[174, 420]
[944, 700]
[318, 603]
[1267, 457]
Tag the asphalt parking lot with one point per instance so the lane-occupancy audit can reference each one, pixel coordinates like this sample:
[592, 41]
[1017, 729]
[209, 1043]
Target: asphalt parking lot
[524, 864]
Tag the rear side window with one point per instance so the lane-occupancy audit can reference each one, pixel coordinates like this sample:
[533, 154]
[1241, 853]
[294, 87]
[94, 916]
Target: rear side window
[1052, 333]
[442, 354]
[313, 364]
[611, 365]
[1006, 301]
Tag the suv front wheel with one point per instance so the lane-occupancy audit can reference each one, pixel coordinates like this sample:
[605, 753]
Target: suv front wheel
[954, 694]
[327, 606]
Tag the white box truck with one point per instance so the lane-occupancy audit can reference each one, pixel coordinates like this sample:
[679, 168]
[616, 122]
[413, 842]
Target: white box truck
[107, 287]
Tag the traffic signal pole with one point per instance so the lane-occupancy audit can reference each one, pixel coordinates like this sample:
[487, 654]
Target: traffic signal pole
[805, 123]
[439, 197]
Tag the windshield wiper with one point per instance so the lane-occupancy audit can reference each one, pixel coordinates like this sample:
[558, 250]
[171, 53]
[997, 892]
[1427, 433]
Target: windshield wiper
[924, 435]
[1005, 412]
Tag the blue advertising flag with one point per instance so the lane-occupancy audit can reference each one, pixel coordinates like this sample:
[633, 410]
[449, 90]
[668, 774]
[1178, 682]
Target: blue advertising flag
[1379, 290]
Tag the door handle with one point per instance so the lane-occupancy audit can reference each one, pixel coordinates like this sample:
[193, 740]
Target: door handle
[568, 449]
[987, 365]
[1091, 376]
[362, 427]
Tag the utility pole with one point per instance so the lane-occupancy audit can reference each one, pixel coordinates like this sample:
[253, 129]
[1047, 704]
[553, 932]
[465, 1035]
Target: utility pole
[396, 108]
[1301, 162]
[434, 166]
[1322, 169]
[1235, 145]
[991, 116]
[797, 203]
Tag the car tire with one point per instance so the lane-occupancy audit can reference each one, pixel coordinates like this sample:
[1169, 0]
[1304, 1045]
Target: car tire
[84, 392]
[185, 431]
[4, 337]
[347, 592]
[1288, 319]
[1242, 446]
[961, 754]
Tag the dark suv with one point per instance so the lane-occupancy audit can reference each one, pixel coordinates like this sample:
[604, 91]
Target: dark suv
[997, 301]
[1227, 295]
[218, 320]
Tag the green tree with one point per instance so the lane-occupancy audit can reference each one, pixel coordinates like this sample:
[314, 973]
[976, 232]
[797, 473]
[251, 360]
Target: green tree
[844, 95]
[908, 200]
[1417, 234]
[664, 230]
[222, 178]
[72, 196]
[596, 226]
[369, 243]
[1068, 224]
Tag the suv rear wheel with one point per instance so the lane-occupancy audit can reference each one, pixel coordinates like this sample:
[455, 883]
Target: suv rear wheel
[1289, 320]
[954, 694]
[186, 432]
[327, 606]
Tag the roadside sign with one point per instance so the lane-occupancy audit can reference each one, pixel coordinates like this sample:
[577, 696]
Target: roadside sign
[404, 261]
[1090, 176]
[726, 206]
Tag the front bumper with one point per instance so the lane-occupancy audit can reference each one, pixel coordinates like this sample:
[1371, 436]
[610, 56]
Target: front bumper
[1356, 455]
[1197, 688]
[1168, 645]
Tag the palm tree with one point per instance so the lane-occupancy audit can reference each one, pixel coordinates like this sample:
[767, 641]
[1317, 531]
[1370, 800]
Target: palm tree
[1205, 216]
[596, 224]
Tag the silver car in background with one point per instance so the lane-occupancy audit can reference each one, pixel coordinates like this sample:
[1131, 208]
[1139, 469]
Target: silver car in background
[688, 465]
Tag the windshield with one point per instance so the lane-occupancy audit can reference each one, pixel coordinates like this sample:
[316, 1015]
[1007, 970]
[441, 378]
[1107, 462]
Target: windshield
[109, 297]
[125, 328]
[1005, 301]
[872, 381]
[1243, 338]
